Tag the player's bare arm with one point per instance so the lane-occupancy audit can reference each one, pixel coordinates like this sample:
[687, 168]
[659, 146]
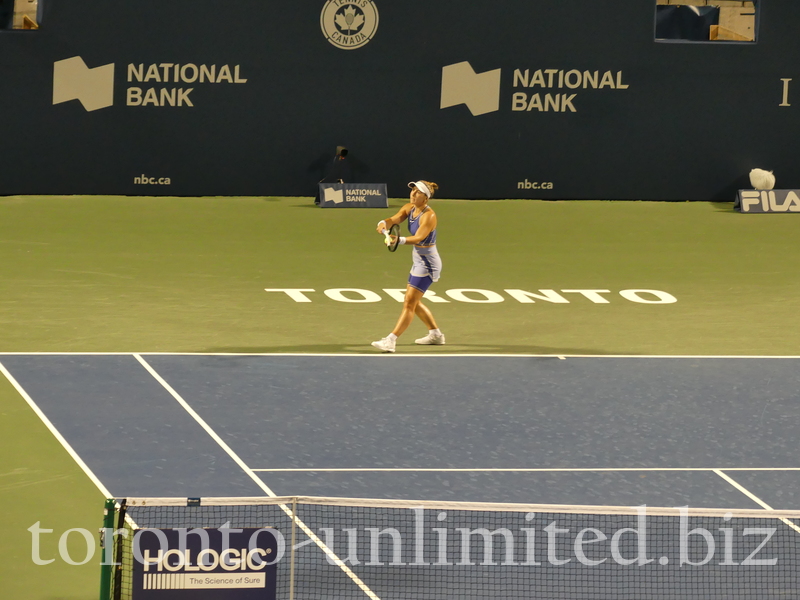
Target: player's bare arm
[401, 216]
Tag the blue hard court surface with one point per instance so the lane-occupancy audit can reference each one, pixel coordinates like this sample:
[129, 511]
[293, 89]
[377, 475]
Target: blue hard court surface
[432, 428]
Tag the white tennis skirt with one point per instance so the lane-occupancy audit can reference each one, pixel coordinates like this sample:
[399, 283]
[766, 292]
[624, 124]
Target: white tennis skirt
[427, 262]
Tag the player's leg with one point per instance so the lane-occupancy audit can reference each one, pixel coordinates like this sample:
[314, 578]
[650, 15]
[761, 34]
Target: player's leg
[430, 263]
[424, 271]
[426, 316]
[410, 303]
[435, 336]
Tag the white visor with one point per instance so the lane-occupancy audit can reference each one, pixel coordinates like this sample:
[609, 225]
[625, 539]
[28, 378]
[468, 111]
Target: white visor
[420, 185]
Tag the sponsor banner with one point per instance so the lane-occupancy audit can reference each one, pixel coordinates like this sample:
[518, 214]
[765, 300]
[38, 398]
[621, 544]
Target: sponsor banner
[768, 201]
[353, 195]
[206, 564]
[156, 84]
[543, 89]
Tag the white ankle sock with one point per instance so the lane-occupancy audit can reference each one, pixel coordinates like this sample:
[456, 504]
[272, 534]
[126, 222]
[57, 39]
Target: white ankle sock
[392, 337]
[435, 332]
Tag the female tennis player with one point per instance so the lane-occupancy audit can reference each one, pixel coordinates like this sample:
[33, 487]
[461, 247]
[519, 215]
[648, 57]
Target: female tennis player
[426, 266]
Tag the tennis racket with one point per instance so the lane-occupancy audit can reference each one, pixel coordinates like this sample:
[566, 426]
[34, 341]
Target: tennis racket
[391, 245]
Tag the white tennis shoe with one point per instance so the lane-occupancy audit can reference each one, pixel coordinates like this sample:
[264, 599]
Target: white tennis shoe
[385, 345]
[431, 340]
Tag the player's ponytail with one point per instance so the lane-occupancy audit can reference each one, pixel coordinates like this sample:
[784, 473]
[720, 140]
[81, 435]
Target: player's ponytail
[431, 186]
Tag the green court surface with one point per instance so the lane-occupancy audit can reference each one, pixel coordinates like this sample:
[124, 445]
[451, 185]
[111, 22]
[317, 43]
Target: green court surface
[129, 274]
[188, 275]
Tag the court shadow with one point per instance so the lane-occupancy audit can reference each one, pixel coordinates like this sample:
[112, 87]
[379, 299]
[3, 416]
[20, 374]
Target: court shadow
[723, 207]
[521, 349]
[412, 348]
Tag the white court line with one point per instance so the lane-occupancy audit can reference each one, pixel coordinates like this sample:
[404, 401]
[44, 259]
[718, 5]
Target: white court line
[525, 470]
[744, 490]
[416, 355]
[70, 450]
[200, 421]
[753, 497]
[229, 451]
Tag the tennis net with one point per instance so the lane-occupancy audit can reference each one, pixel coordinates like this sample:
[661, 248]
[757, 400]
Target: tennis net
[320, 548]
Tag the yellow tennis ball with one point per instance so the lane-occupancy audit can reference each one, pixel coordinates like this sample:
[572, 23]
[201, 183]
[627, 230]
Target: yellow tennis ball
[387, 241]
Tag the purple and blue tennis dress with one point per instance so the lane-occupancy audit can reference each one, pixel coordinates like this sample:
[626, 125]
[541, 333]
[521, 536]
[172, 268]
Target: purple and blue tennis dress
[427, 264]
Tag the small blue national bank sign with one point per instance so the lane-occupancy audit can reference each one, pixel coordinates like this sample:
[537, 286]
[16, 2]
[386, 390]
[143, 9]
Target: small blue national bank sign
[768, 201]
[353, 195]
[205, 564]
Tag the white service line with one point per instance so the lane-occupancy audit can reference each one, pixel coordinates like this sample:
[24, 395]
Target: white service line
[753, 497]
[415, 355]
[229, 451]
[206, 427]
[523, 470]
[70, 450]
[744, 490]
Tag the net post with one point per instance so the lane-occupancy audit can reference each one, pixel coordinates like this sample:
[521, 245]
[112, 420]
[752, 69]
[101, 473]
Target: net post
[123, 508]
[106, 567]
[291, 554]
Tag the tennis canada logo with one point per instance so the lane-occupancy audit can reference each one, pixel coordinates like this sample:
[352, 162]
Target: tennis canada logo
[349, 24]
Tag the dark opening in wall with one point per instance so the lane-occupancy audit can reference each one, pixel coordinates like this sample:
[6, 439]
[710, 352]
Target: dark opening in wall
[21, 14]
[706, 21]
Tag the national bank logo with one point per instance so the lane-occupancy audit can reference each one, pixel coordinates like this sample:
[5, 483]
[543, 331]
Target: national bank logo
[73, 80]
[349, 24]
[335, 196]
[532, 90]
[163, 84]
[479, 91]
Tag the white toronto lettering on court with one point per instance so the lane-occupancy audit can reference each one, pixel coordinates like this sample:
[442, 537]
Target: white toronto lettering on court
[352, 295]
[482, 296]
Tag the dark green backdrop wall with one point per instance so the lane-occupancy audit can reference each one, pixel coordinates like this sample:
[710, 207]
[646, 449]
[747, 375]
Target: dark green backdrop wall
[627, 117]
